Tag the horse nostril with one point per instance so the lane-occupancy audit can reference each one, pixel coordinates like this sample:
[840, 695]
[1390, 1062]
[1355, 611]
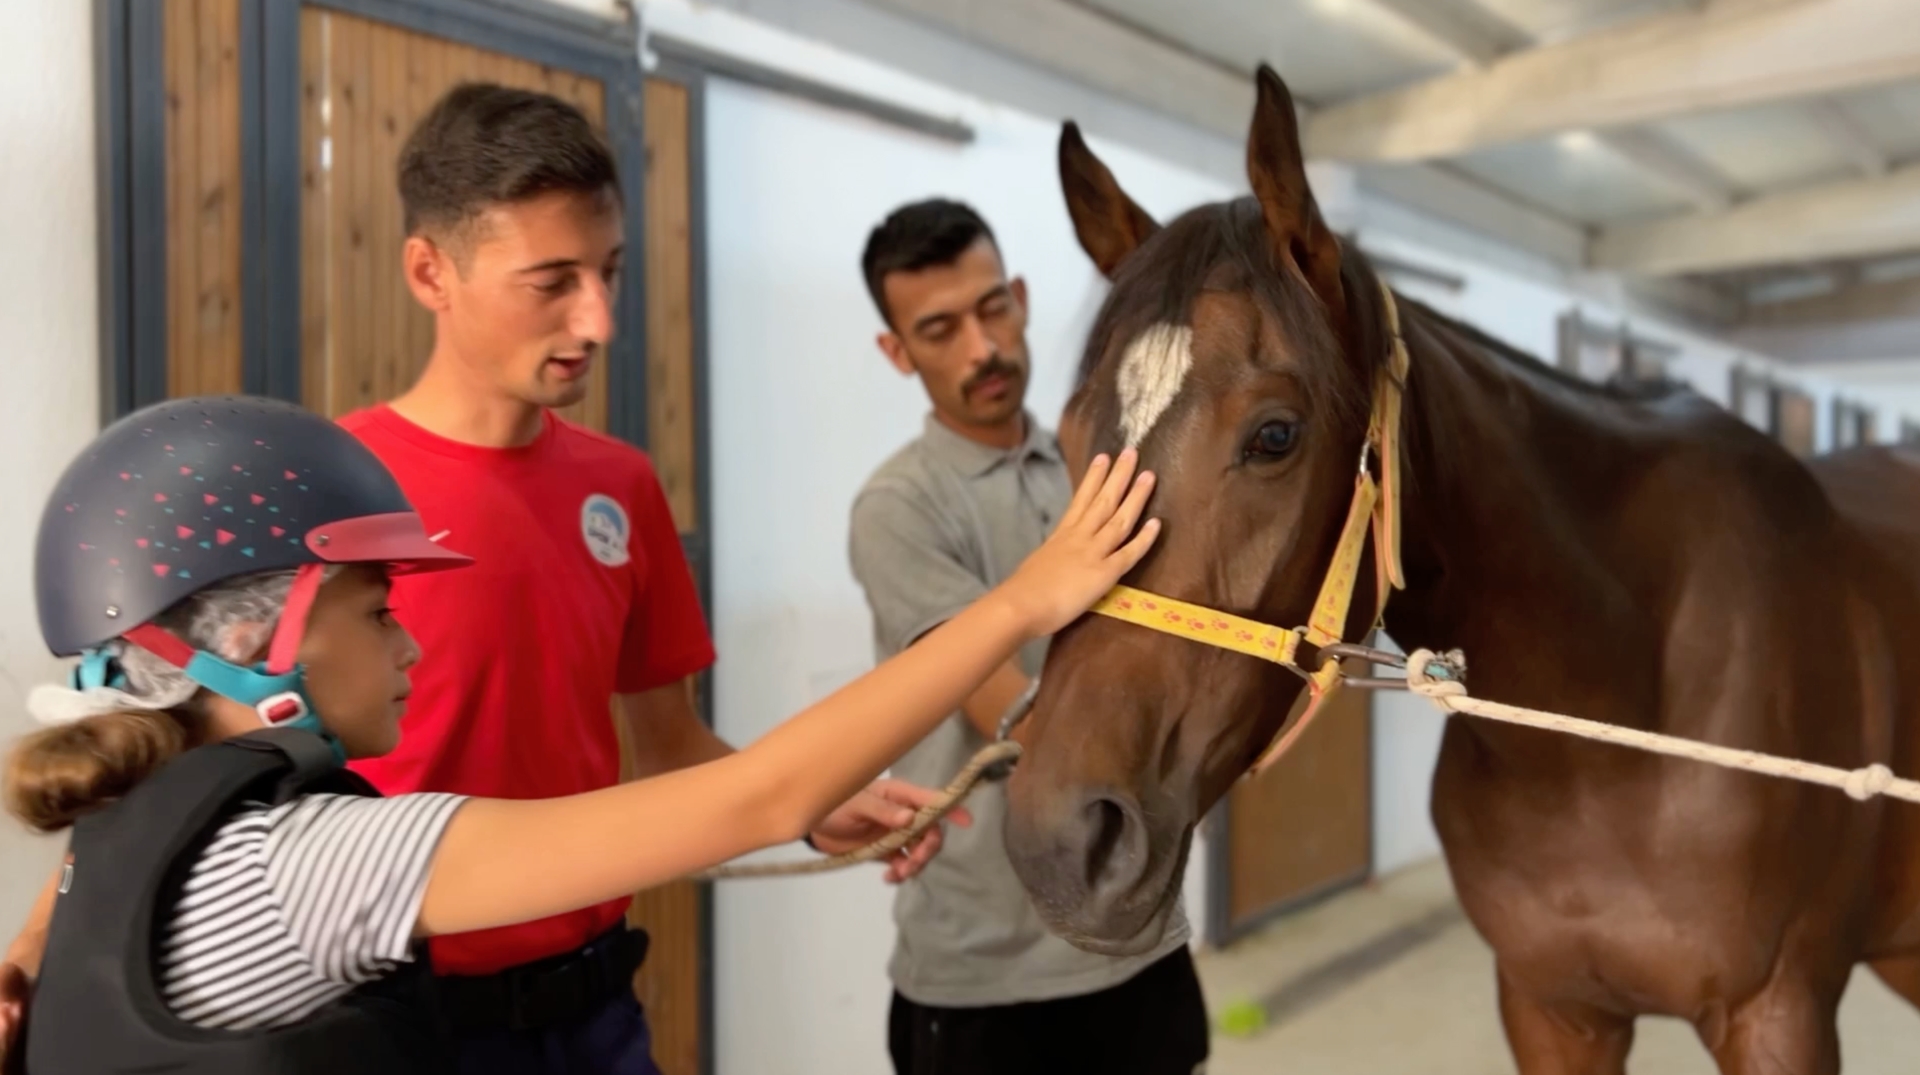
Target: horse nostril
[1106, 849]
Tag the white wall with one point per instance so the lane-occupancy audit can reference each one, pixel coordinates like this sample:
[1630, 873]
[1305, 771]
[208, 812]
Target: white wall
[803, 408]
[48, 304]
[903, 43]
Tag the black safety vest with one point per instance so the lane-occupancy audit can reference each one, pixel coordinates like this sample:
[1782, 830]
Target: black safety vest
[97, 1007]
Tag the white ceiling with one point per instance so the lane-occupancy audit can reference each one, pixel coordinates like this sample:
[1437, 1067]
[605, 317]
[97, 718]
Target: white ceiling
[1327, 50]
[1675, 168]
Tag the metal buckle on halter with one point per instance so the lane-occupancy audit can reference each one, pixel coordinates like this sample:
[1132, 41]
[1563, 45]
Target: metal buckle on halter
[1451, 665]
[1299, 644]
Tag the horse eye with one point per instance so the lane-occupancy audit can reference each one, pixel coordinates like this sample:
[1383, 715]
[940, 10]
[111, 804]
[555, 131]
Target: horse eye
[1273, 440]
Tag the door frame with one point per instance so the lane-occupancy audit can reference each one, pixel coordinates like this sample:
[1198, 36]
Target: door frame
[131, 167]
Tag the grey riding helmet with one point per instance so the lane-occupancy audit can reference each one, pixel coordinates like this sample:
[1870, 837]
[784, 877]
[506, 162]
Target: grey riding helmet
[188, 493]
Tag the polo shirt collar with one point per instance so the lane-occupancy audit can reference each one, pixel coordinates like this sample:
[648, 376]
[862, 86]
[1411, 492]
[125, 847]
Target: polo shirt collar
[974, 459]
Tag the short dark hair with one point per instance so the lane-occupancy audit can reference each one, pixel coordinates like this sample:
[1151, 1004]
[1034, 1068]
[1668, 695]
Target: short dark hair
[485, 144]
[918, 236]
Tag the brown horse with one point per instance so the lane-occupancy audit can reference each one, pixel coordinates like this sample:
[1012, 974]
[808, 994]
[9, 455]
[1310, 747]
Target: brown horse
[1634, 556]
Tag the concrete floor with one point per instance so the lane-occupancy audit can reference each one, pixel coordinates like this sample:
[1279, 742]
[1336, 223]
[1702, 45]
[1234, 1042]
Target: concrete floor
[1391, 978]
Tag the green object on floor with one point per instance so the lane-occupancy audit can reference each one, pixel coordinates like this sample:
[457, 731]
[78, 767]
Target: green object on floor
[1242, 1019]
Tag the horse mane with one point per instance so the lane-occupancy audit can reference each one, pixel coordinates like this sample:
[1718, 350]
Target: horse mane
[1616, 389]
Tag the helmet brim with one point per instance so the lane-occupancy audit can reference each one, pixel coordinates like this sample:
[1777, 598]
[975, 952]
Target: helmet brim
[398, 540]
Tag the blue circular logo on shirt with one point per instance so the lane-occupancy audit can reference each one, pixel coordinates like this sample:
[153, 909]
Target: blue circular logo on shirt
[603, 523]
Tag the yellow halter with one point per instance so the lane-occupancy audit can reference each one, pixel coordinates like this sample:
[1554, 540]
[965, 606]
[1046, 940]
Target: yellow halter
[1374, 501]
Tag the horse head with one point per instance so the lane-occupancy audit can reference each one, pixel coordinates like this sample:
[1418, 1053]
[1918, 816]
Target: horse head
[1236, 350]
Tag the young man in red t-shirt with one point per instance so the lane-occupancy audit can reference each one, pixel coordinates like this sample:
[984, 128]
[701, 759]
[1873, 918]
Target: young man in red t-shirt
[579, 596]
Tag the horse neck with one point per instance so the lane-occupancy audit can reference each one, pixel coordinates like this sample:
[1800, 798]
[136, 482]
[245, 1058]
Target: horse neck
[1508, 482]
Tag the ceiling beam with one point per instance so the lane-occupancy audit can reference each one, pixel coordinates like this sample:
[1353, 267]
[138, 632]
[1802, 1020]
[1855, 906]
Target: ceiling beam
[1112, 56]
[1875, 302]
[1477, 38]
[1854, 218]
[1087, 45]
[1864, 323]
[1473, 35]
[1717, 57]
[1848, 137]
[1465, 201]
[1656, 156]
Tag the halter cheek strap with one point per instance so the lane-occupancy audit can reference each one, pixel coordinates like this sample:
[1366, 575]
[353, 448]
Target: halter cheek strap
[1375, 509]
[276, 689]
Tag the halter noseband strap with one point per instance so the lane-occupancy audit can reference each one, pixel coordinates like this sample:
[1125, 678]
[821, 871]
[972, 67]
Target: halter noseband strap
[1375, 507]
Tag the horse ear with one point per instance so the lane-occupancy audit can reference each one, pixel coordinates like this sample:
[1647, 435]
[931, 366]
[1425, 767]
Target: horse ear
[1277, 167]
[1109, 224]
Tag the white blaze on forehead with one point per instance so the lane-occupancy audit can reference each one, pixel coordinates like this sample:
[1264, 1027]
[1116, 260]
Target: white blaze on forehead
[1151, 372]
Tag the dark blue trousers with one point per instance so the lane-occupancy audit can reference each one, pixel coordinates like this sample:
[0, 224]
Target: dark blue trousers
[614, 1040]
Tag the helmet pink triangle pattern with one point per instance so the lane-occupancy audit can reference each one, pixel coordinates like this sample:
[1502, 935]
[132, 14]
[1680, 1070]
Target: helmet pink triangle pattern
[239, 503]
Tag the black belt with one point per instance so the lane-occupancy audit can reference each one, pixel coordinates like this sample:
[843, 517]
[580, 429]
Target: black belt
[546, 993]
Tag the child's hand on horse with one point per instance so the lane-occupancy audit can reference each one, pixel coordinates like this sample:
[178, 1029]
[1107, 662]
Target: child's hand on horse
[1094, 546]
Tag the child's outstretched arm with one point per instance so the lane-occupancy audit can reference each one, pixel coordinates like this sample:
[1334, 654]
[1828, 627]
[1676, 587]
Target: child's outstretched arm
[502, 862]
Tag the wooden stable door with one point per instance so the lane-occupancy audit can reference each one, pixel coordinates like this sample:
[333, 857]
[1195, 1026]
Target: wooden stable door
[361, 338]
[1303, 828]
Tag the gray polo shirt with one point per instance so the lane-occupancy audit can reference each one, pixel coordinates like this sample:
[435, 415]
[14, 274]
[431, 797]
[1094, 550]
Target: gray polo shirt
[938, 525]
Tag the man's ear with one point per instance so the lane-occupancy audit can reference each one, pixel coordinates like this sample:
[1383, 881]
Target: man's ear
[895, 349]
[427, 268]
[1019, 289]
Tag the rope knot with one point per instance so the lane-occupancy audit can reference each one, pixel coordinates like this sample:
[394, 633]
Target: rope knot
[1864, 784]
[1434, 675]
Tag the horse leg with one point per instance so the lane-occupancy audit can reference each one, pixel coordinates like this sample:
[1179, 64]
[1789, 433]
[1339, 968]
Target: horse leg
[1563, 1039]
[1902, 975]
[1788, 1028]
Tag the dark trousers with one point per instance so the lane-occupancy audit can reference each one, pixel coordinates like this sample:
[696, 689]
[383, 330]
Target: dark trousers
[571, 1014]
[1152, 1024]
[614, 1040]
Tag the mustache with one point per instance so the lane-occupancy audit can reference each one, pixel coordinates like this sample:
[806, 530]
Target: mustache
[994, 367]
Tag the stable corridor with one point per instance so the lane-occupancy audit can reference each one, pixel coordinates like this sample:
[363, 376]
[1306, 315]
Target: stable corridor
[1391, 978]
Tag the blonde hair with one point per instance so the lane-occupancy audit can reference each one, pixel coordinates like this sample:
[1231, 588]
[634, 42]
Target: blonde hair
[101, 742]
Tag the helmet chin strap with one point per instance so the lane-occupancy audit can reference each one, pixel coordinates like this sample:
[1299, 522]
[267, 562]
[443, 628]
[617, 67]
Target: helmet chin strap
[276, 689]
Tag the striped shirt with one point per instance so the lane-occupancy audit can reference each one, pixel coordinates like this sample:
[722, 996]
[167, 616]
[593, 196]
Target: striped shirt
[292, 907]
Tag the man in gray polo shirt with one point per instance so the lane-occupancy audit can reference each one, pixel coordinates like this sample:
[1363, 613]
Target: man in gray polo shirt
[980, 984]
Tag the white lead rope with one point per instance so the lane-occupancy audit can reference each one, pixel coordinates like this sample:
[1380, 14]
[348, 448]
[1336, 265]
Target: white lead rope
[1435, 677]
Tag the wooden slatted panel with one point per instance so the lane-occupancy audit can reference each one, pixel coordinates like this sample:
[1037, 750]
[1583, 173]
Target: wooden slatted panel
[1303, 827]
[669, 261]
[201, 70]
[368, 84]
[316, 278]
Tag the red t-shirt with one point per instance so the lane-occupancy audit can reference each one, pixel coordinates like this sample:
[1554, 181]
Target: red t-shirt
[579, 590]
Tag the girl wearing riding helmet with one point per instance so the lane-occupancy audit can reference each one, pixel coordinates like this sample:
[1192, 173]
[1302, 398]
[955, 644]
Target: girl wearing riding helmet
[236, 900]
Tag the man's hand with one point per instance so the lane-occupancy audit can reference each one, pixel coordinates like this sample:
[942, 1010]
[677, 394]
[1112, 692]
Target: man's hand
[15, 990]
[886, 805]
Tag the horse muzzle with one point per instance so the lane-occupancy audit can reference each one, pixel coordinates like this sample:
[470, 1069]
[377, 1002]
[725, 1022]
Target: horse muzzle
[1103, 872]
